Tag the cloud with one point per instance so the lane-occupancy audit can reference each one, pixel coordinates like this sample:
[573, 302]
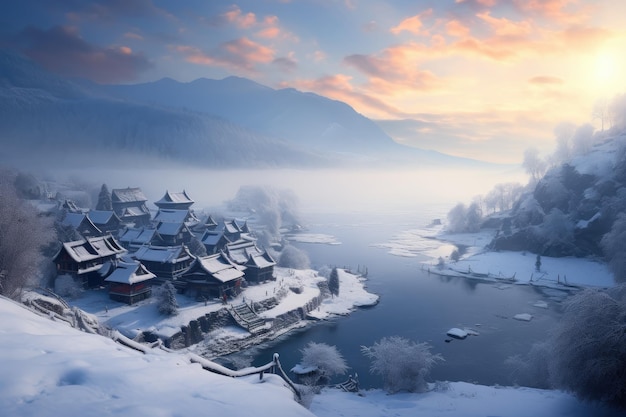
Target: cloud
[506, 27]
[240, 19]
[457, 29]
[62, 50]
[286, 63]
[545, 80]
[238, 54]
[412, 24]
[562, 11]
[109, 9]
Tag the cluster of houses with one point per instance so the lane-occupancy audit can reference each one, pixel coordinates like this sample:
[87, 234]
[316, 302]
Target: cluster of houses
[129, 250]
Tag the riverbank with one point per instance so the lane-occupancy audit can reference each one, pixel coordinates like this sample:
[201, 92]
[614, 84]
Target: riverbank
[292, 298]
[520, 268]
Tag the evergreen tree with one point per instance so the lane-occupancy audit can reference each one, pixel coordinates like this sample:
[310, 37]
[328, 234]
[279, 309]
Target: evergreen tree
[166, 301]
[104, 199]
[333, 282]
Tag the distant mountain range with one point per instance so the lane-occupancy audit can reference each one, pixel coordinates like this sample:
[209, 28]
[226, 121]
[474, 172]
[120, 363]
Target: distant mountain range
[229, 123]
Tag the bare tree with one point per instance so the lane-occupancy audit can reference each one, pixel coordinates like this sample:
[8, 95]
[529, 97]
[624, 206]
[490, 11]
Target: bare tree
[23, 234]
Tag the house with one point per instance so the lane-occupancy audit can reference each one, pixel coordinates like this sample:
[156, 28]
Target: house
[130, 206]
[214, 241]
[83, 258]
[132, 238]
[82, 224]
[176, 201]
[213, 276]
[259, 264]
[105, 220]
[174, 234]
[166, 262]
[129, 282]
[176, 216]
[231, 230]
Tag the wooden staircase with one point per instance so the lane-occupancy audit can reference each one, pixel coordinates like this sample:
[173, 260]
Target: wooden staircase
[247, 318]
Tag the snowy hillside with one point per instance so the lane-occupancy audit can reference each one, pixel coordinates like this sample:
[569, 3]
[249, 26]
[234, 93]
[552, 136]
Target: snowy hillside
[51, 369]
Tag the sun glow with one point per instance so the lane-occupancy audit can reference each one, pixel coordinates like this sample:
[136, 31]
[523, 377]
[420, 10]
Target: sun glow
[606, 71]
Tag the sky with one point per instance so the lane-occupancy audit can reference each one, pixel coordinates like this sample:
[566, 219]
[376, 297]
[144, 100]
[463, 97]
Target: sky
[484, 79]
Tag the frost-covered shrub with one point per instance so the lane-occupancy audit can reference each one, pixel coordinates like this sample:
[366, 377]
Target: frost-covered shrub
[292, 257]
[326, 359]
[588, 349]
[463, 219]
[402, 363]
[531, 370]
[613, 245]
[166, 299]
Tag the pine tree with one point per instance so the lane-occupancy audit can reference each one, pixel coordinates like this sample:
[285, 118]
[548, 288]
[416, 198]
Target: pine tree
[333, 282]
[104, 199]
[166, 301]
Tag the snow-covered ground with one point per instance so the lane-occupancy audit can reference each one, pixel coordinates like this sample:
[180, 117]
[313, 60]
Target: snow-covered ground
[51, 369]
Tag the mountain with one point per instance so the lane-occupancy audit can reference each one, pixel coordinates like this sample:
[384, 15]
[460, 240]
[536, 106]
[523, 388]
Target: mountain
[48, 117]
[228, 123]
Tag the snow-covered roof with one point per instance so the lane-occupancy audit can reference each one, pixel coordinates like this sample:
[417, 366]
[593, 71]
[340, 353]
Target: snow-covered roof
[101, 216]
[127, 195]
[73, 219]
[220, 267]
[130, 273]
[139, 235]
[93, 248]
[163, 254]
[212, 238]
[180, 197]
[135, 211]
[175, 216]
[263, 260]
[170, 229]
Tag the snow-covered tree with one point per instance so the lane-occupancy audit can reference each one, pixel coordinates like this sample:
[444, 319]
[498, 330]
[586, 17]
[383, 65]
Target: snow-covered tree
[614, 249]
[292, 257]
[23, 234]
[333, 282]
[456, 218]
[166, 299]
[403, 364]
[588, 348]
[104, 199]
[533, 164]
[326, 359]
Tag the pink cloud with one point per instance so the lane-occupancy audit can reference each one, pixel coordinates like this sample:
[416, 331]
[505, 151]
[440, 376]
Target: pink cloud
[412, 24]
[545, 80]
[457, 29]
[239, 54]
[241, 20]
[506, 27]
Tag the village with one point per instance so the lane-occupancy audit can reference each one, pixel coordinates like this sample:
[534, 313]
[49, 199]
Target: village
[222, 277]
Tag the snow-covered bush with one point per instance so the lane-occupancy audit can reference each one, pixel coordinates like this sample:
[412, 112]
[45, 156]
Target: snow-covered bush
[588, 349]
[325, 359]
[292, 257]
[402, 363]
[614, 249]
[166, 299]
[463, 219]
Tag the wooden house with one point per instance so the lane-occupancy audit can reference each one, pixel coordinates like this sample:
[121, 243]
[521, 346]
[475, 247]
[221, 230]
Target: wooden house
[213, 276]
[129, 282]
[82, 224]
[176, 216]
[166, 262]
[132, 238]
[83, 258]
[106, 220]
[130, 206]
[214, 241]
[174, 234]
[176, 201]
[259, 264]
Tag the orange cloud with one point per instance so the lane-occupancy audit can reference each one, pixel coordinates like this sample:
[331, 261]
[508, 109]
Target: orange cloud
[557, 10]
[240, 54]
[457, 29]
[506, 27]
[412, 24]
[545, 80]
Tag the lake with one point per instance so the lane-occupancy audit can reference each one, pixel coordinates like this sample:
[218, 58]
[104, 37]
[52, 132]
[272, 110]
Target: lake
[415, 305]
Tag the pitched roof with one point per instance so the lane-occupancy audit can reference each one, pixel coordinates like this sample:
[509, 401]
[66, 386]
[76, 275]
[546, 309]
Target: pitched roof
[92, 248]
[140, 235]
[101, 216]
[261, 260]
[127, 195]
[175, 216]
[180, 197]
[163, 254]
[220, 267]
[73, 219]
[130, 273]
[170, 229]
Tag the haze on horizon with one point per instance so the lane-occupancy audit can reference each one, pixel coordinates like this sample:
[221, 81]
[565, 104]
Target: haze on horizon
[483, 79]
